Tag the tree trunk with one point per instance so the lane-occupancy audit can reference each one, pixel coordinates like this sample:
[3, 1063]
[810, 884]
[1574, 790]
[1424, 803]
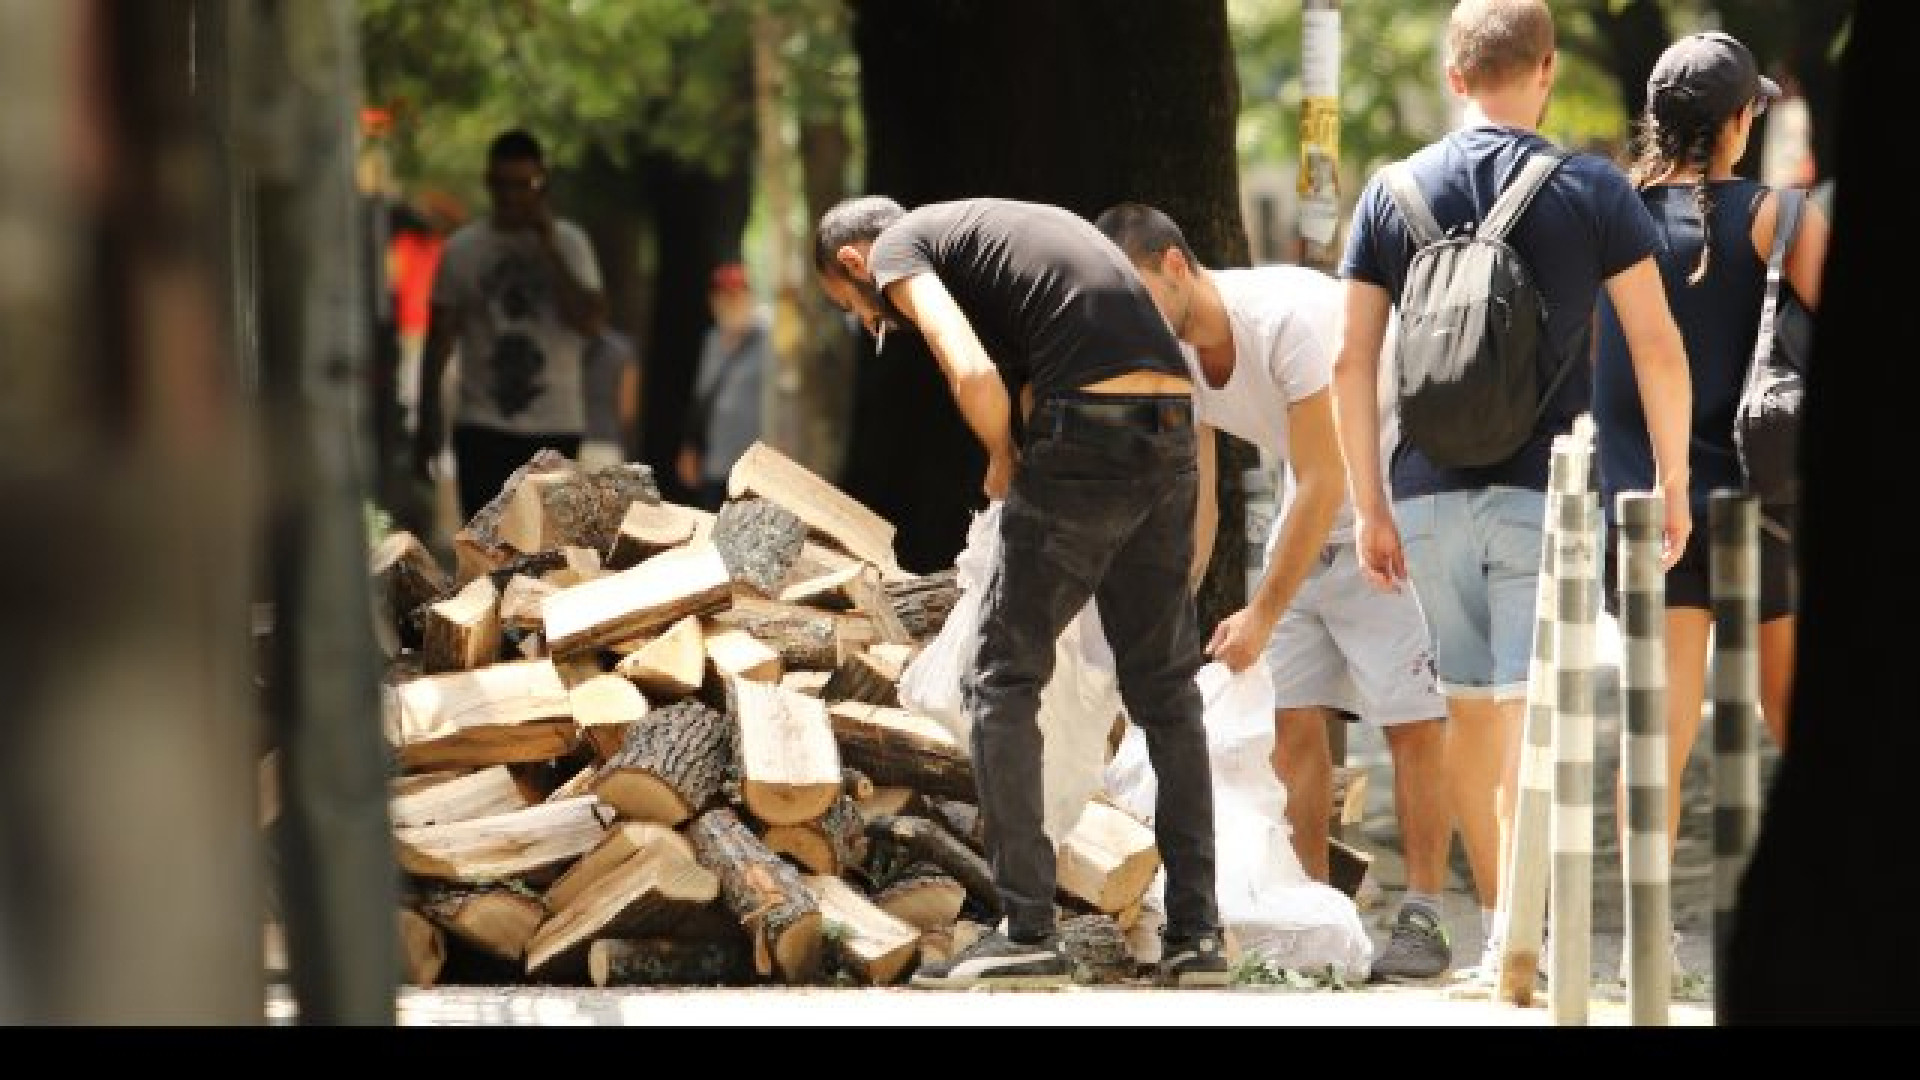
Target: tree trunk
[1082, 103]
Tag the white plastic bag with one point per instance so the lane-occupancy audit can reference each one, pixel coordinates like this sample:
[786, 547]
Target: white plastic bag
[1271, 908]
[1077, 708]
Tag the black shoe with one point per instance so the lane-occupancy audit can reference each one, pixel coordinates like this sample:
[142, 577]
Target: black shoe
[1000, 963]
[1198, 961]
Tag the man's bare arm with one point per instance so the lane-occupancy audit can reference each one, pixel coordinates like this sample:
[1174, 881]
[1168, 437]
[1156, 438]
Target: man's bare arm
[977, 386]
[1320, 486]
[583, 308]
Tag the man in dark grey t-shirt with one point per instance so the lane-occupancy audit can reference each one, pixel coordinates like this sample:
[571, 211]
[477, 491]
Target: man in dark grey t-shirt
[1099, 503]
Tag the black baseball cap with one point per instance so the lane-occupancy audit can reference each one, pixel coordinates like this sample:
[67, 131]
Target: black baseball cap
[1712, 71]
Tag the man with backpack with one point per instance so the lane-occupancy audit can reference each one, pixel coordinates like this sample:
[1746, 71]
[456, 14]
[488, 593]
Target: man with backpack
[1493, 351]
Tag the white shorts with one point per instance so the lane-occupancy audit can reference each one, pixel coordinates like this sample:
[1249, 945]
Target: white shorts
[1344, 644]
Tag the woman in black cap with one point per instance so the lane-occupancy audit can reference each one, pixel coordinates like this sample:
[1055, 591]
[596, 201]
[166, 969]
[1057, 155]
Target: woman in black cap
[1717, 230]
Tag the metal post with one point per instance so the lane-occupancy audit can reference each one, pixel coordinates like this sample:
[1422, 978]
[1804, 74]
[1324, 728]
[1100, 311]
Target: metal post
[1734, 518]
[1319, 183]
[1643, 757]
[1523, 895]
[1570, 890]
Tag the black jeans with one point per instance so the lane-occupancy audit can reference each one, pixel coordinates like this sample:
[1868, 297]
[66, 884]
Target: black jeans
[1102, 505]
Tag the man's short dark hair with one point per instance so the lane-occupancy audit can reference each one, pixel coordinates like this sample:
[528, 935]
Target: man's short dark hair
[851, 221]
[1143, 232]
[516, 144]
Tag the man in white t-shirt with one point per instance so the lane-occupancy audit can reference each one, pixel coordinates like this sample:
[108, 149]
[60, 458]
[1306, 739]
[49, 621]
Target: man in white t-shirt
[1260, 345]
[519, 294]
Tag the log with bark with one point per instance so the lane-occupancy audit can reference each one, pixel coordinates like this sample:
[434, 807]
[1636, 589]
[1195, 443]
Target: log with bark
[764, 892]
[571, 507]
[871, 600]
[923, 602]
[673, 765]
[648, 597]
[921, 840]
[520, 602]
[405, 577]
[641, 879]
[423, 949]
[1096, 949]
[604, 708]
[736, 654]
[871, 675]
[897, 748]
[760, 541]
[1108, 859]
[497, 919]
[676, 961]
[832, 843]
[828, 512]
[807, 639]
[923, 896]
[648, 529]
[867, 943]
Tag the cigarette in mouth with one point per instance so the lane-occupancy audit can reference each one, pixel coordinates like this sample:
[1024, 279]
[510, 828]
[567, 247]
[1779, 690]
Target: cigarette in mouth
[880, 338]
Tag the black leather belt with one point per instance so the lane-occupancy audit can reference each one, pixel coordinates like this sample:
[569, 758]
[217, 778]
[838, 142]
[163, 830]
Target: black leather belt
[1154, 412]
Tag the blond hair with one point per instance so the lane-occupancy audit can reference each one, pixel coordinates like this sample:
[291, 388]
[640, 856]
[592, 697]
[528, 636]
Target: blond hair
[1490, 42]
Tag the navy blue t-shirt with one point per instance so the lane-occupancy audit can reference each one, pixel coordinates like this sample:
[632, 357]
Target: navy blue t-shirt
[1719, 319]
[1586, 225]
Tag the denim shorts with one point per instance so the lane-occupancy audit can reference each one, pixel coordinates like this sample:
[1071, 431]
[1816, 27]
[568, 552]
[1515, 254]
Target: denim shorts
[1474, 557]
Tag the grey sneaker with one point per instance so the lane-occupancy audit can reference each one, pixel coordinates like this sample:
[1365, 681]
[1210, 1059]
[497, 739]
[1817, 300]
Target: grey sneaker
[1196, 961]
[998, 962]
[1418, 949]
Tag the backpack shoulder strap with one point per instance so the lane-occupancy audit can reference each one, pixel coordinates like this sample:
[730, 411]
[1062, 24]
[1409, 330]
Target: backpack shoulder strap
[1413, 205]
[1786, 223]
[1519, 194]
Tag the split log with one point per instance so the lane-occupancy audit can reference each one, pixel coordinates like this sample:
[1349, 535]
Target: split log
[828, 511]
[889, 802]
[924, 841]
[648, 529]
[474, 558]
[672, 665]
[650, 596]
[1096, 948]
[479, 794]
[871, 945]
[897, 748]
[484, 525]
[423, 949]
[580, 783]
[789, 763]
[938, 947]
[759, 541]
[807, 639]
[502, 713]
[924, 602]
[676, 961]
[578, 564]
[1108, 859]
[604, 708]
[641, 879]
[764, 892]
[405, 577]
[832, 843]
[855, 784]
[810, 683]
[827, 591]
[521, 599]
[871, 600]
[498, 920]
[672, 766]
[738, 654]
[871, 675]
[572, 507]
[503, 845]
[923, 897]
[463, 631]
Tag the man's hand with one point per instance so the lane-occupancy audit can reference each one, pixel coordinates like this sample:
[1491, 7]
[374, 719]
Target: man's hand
[1383, 560]
[1241, 637]
[1000, 468]
[1679, 523]
[687, 465]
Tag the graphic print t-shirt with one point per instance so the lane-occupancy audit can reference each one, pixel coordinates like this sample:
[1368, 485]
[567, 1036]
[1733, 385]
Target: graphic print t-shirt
[520, 363]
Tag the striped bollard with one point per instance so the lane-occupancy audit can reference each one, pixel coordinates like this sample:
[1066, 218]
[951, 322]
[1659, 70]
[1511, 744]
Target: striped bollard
[1523, 896]
[1570, 889]
[1734, 518]
[1643, 757]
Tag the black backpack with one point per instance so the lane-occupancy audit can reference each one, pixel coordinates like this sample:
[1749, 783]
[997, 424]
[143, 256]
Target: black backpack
[1472, 323]
[1766, 423]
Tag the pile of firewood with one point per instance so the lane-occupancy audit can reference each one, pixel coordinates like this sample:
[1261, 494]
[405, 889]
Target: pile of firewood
[637, 743]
